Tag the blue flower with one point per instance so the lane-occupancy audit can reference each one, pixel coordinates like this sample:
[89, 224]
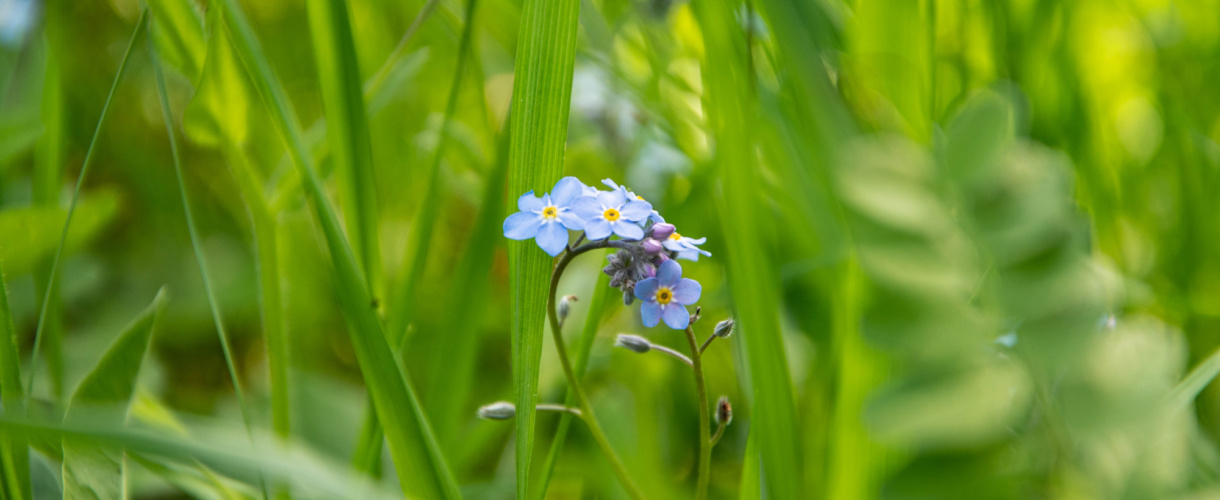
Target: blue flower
[611, 212]
[655, 216]
[547, 219]
[667, 295]
[686, 247]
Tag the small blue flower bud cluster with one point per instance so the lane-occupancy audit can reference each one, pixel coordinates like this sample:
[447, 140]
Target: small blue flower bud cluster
[644, 267]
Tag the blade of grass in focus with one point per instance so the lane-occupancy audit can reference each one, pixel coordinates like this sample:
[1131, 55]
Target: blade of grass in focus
[755, 290]
[542, 89]
[80, 181]
[421, 468]
[90, 471]
[14, 450]
[347, 131]
[597, 305]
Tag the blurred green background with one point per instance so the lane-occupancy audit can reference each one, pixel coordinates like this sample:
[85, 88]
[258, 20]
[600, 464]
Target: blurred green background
[978, 236]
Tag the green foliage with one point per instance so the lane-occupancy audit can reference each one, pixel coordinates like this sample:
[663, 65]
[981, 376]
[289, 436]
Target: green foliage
[970, 248]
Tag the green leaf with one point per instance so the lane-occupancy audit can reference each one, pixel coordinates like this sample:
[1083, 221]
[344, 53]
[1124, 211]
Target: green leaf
[105, 393]
[32, 233]
[347, 130]
[178, 35]
[542, 89]
[751, 277]
[14, 451]
[421, 468]
[219, 113]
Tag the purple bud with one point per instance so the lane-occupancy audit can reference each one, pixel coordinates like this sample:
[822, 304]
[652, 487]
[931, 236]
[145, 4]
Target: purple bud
[662, 230]
[652, 246]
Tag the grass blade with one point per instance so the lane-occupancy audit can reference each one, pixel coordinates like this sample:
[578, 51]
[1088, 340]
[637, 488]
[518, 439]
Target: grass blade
[421, 468]
[80, 181]
[200, 258]
[45, 189]
[14, 451]
[90, 471]
[753, 284]
[542, 90]
[347, 130]
[452, 379]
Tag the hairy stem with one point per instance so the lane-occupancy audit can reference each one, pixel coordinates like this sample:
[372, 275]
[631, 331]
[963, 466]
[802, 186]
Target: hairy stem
[675, 354]
[705, 445]
[706, 343]
[582, 400]
[719, 433]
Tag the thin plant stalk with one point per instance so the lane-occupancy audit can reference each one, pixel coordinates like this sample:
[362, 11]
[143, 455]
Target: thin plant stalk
[213, 304]
[705, 444]
[582, 400]
[136, 35]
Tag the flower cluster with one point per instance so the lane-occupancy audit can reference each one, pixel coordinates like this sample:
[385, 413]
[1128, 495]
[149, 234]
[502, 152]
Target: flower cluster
[643, 268]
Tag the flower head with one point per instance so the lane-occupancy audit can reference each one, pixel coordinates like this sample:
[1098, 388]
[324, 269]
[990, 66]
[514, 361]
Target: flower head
[500, 410]
[685, 247]
[610, 212]
[666, 295]
[654, 215]
[548, 218]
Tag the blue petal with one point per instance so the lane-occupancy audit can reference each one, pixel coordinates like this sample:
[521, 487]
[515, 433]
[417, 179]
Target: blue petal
[597, 229]
[691, 255]
[529, 203]
[656, 217]
[636, 211]
[697, 241]
[552, 238]
[611, 199]
[566, 190]
[673, 245]
[610, 184]
[587, 208]
[650, 312]
[627, 230]
[521, 226]
[570, 220]
[687, 291]
[675, 316]
[669, 273]
[588, 191]
[646, 289]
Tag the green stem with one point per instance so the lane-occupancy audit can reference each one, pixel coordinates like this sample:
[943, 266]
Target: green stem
[581, 399]
[719, 434]
[705, 445]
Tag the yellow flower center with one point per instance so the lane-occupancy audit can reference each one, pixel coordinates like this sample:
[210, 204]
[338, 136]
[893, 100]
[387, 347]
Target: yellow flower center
[664, 296]
[550, 212]
[638, 197]
[611, 214]
[675, 236]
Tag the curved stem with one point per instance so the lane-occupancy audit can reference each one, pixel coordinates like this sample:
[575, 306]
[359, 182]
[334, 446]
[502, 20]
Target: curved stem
[581, 400]
[705, 445]
[719, 433]
[675, 354]
[706, 343]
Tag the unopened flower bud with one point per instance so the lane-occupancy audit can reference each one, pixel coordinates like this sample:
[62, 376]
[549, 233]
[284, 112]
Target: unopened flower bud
[694, 317]
[651, 246]
[633, 343]
[724, 411]
[724, 329]
[628, 295]
[565, 306]
[662, 230]
[500, 410]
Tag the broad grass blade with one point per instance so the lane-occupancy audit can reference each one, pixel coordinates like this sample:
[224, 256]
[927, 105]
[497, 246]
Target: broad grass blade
[14, 450]
[542, 89]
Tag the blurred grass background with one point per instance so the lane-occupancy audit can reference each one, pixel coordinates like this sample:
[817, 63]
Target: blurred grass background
[970, 245]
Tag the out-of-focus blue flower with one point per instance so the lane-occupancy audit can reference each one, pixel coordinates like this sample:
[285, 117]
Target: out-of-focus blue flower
[654, 216]
[548, 218]
[667, 295]
[16, 19]
[686, 247]
[611, 212]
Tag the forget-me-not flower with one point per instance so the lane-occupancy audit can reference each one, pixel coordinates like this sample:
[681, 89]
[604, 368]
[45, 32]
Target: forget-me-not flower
[547, 219]
[667, 295]
[686, 247]
[611, 212]
[654, 216]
